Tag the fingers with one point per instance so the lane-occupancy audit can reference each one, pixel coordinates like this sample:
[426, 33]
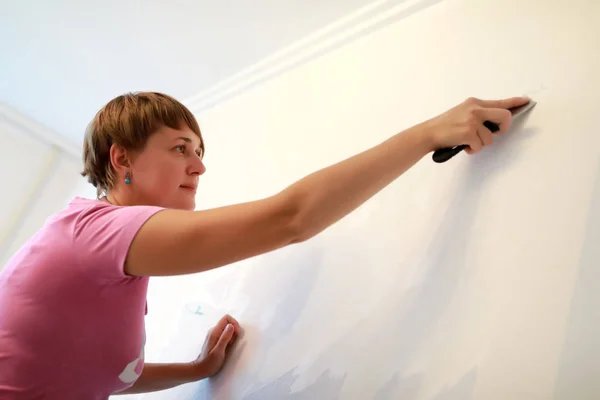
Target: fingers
[234, 322]
[501, 117]
[220, 327]
[475, 145]
[226, 319]
[485, 135]
[225, 338]
[481, 135]
[503, 103]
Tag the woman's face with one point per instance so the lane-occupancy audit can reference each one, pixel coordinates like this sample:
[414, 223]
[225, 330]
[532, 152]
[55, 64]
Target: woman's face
[165, 173]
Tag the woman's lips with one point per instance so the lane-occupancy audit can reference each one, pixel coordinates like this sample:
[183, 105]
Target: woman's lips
[189, 188]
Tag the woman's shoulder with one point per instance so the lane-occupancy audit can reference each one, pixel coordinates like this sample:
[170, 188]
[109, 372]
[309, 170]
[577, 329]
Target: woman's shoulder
[78, 204]
[85, 210]
[74, 210]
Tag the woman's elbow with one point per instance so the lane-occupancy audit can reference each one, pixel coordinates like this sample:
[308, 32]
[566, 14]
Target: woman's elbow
[295, 220]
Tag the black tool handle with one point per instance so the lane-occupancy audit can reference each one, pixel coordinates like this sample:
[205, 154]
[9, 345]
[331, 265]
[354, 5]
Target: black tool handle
[443, 155]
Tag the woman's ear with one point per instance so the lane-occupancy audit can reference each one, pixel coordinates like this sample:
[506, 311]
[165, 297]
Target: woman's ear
[120, 159]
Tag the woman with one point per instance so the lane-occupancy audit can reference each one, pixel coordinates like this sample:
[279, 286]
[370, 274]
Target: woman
[73, 298]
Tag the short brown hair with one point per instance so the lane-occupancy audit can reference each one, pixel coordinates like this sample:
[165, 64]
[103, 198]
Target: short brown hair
[129, 120]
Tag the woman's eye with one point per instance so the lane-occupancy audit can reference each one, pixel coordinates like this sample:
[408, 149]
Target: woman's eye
[180, 148]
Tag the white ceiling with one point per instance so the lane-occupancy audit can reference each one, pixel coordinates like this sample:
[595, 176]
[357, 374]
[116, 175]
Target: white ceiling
[61, 60]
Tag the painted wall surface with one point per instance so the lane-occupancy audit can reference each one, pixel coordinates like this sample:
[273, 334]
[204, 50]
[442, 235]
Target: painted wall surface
[474, 279]
[38, 178]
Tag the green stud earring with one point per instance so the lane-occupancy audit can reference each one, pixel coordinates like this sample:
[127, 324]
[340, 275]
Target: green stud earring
[127, 178]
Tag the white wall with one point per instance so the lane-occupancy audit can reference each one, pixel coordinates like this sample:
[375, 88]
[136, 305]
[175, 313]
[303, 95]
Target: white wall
[39, 175]
[472, 279]
[193, 33]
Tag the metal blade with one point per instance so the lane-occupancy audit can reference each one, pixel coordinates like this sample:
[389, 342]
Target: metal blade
[522, 109]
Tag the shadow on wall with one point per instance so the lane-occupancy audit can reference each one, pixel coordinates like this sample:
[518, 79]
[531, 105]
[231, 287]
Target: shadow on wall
[404, 326]
[579, 364]
[291, 289]
[384, 345]
[376, 346]
[445, 262]
[409, 388]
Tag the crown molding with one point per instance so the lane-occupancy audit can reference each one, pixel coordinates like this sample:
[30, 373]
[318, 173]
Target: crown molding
[347, 29]
[365, 20]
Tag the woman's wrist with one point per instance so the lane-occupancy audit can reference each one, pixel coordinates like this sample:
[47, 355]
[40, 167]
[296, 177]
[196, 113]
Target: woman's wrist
[198, 370]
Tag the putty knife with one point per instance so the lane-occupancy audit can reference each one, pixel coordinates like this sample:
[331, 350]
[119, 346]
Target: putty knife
[443, 155]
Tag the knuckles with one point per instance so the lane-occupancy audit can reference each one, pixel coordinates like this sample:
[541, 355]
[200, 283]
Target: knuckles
[472, 101]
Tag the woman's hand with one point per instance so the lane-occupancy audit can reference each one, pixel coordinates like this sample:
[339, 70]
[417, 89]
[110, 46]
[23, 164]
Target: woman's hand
[216, 345]
[463, 124]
